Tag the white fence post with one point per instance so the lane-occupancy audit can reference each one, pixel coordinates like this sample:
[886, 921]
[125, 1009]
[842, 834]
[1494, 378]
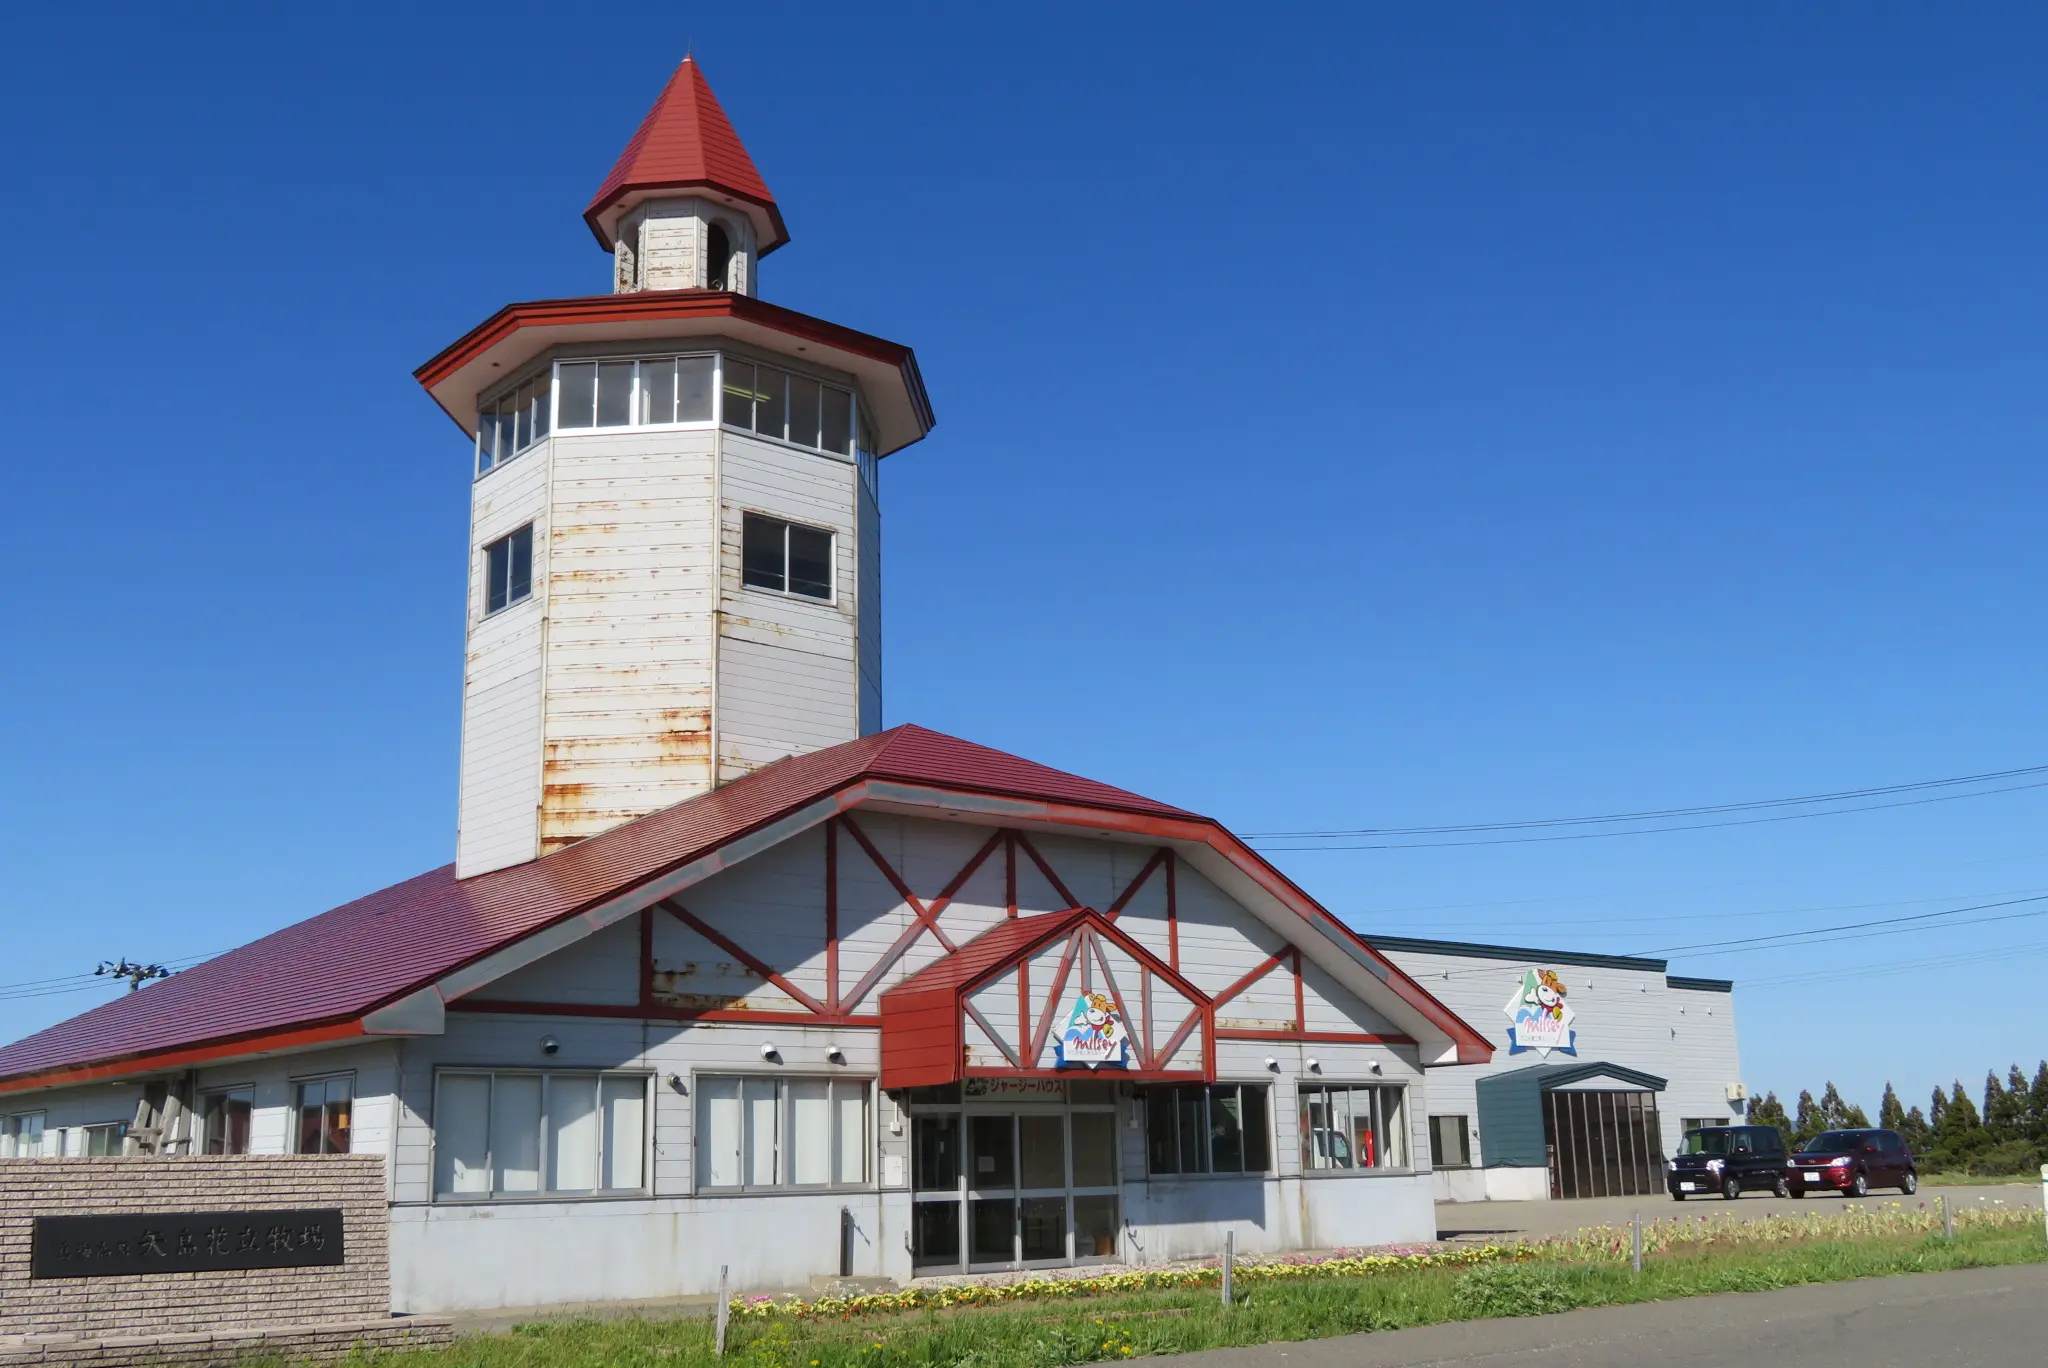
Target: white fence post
[724, 1312]
[2044, 1199]
[1229, 1263]
[1635, 1240]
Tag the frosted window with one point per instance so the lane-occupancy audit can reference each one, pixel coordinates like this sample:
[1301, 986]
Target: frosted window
[572, 1134]
[625, 1132]
[693, 388]
[850, 1101]
[515, 1133]
[761, 1137]
[718, 1132]
[658, 391]
[462, 1111]
[810, 1132]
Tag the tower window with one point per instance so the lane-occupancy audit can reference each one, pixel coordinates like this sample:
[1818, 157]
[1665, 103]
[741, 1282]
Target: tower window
[718, 257]
[786, 557]
[508, 570]
[512, 423]
[651, 392]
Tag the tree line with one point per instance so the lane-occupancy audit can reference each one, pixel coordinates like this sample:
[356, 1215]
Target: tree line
[2008, 1136]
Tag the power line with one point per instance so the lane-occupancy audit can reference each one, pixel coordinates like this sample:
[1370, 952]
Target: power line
[79, 983]
[1647, 831]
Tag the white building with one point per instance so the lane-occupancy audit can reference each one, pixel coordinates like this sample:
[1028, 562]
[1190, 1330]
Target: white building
[722, 973]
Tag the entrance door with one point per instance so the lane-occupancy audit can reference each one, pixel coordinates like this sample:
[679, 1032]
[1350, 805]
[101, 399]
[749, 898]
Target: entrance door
[1014, 1189]
[1603, 1144]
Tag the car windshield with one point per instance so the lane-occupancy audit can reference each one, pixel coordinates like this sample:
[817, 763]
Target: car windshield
[1833, 1142]
[1715, 1141]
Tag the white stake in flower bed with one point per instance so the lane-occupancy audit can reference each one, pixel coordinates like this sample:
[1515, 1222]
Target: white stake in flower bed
[724, 1312]
[1230, 1259]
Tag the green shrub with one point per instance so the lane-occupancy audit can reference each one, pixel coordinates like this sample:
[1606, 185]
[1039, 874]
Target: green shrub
[1513, 1290]
[2009, 1157]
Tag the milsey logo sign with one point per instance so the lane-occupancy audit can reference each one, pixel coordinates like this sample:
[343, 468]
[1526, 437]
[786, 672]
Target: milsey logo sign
[1543, 1019]
[184, 1242]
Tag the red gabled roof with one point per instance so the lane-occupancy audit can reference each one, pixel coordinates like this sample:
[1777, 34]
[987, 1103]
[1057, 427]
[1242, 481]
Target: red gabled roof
[686, 143]
[338, 966]
[1005, 941]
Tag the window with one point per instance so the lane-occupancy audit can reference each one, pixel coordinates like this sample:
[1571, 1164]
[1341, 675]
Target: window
[649, 391]
[790, 408]
[104, 1140]
[1194, 1128]
[787, 557]
[508, 570]
[1352, 1128]
[226, 1118]
[1450, 1142]
[22, 1137]
[519, 1134]
[325, 1108]
[1703, 1122]
[717, 257]
[512, 423]
[778, 1133]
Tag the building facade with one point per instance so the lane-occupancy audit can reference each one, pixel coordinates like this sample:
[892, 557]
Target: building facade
[1600, 1064]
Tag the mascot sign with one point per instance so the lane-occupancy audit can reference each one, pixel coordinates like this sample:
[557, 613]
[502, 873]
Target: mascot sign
[1094, 1036]
[1542, 1018]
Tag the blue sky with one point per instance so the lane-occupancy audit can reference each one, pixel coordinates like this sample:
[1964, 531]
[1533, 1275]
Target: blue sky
[1365, 416]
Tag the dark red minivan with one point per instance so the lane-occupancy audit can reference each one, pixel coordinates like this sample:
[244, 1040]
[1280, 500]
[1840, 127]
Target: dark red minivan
[1852, 1162]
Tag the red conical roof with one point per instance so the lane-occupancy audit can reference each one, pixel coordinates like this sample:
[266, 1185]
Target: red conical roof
[686, 143]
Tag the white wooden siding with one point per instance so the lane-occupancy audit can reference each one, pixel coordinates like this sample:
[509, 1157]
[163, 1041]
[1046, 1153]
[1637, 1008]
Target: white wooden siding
[868, 602]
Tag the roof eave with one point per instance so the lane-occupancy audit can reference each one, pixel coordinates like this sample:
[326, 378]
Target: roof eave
[607, 209]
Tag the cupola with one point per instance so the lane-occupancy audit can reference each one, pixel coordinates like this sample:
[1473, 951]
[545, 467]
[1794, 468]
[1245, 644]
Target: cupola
[684, 207]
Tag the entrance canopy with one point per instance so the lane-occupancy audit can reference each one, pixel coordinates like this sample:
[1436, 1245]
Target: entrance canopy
[1065, 994]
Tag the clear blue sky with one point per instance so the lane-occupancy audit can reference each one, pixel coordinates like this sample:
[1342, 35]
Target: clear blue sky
[1365, 416]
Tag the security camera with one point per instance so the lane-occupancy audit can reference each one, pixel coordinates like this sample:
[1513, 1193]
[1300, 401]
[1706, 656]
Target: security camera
[549, 1045]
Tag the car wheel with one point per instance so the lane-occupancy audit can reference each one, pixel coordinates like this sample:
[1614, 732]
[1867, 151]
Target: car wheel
[1911, 1185]
[1731, 1187]
[1781, 1188]
[1859, 1186]
[1677, 1196]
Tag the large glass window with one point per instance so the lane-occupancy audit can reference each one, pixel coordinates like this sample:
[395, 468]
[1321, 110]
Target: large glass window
[226, 1116]
[787, 557]
[326, 1111]
[1196, 1128]
[22, 1136]
[757, 1133]
[512, 422]
[515, 1134]
[508, 570]
[789, 407]
[1353, 1127]
[648, 391]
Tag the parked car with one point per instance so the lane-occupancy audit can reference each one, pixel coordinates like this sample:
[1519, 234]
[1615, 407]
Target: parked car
[1852, 1162]
[1728, 1160]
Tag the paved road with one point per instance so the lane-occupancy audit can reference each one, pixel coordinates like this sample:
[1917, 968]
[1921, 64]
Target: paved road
[1980, 1318]
[1502, 1220]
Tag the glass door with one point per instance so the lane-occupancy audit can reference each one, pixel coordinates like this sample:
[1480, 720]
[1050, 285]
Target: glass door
[935, 1191]
[1030, 1188]
[992, 1189]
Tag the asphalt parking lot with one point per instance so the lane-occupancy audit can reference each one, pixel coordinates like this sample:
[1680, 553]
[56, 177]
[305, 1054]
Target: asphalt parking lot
[1507, 1220]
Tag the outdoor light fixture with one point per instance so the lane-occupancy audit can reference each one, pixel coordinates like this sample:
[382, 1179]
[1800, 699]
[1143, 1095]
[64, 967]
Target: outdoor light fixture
[1273, 1064]
[1314, 1067]
[768, 1050]
[1376, 1066]
[549, 1045]
[835, 1055]
[675, 1080]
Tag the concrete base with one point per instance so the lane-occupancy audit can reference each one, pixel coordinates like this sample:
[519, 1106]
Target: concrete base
[315, 1342]
[1491, 1185]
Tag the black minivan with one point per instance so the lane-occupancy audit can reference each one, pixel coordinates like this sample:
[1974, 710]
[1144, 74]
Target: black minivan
[1728, 1160]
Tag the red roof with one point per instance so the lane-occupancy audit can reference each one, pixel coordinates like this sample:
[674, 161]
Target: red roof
[685, 143]
[1005, 941]
[342, 964]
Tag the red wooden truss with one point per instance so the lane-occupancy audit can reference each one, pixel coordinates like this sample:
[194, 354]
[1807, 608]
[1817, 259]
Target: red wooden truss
[982, 1011]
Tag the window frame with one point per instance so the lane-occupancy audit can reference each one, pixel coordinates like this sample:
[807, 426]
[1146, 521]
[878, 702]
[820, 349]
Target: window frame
[10, 1134]
[1208, 1098]
[831, 559]
[869, 1094]
[1464, 1120]
[542, 1193]
[1305, 1091]
[209, 1098]
[298, 1086]
[532, 575]
[536, 434]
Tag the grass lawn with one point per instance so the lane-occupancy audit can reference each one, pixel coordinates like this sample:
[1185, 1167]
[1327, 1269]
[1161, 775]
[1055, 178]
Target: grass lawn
[1975, 1180]
[1691, 1259]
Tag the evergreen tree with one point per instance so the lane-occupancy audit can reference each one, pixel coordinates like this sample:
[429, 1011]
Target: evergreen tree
[1936, 1105]
[1807, 1122]
[1890, 1113]
[1915, 1131]
[1836, 1114]
[1959, 1135]
[2005, 1107]
[2037, 1108]
[1769, 1111]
